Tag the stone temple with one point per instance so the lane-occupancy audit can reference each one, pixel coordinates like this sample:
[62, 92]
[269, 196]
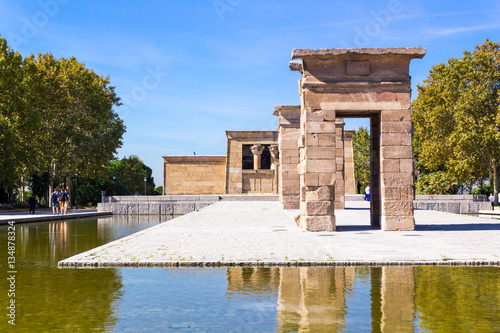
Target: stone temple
[308, 161]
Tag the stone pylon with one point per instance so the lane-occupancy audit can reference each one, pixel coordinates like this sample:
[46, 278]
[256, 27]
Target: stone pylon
[372, 83]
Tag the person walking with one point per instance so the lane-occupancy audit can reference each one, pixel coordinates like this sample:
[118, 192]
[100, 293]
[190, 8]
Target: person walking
[55, 202]
[66, 193]
[492, 201]
[367, 193]
[32, 203]
[63, 204]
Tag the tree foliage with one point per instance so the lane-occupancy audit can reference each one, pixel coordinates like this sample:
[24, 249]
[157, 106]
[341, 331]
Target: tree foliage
[56, 116]
[361, 147]
[130, 172]
[456, 116]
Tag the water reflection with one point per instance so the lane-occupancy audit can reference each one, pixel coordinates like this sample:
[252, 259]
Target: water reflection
[402, 299]
[378, 299]
[48, 298]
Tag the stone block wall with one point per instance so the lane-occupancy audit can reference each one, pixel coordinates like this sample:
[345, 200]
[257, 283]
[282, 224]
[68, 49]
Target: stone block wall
[194, 175]
[258, 181]
[289, 133]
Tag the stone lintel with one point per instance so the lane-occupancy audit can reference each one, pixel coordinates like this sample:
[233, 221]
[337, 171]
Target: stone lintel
[413, 52]
[252, 135]
[196, 159]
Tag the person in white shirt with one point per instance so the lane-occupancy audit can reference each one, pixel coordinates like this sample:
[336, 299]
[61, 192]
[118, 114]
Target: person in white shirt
[367, 193]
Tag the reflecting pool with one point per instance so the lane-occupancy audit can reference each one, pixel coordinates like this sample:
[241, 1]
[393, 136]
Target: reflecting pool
[361, 299]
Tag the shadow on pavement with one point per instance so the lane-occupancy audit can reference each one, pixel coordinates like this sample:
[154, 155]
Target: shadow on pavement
[356, 228]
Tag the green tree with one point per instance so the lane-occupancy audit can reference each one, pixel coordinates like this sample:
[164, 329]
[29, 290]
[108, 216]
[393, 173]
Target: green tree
[13, 119]
[56, 116]
[456, 116]
[130, 172]
[361, 147]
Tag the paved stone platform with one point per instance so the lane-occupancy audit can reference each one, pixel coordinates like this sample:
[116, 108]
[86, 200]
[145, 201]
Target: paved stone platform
[39, 216]
[260, 234]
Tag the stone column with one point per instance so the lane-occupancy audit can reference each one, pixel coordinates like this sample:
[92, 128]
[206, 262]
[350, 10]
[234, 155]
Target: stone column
[257, 152]
[396, 170]
[274, 150]
[340, 181]
[317, 168]
[374, 171]
[289, 133]
[349, 175]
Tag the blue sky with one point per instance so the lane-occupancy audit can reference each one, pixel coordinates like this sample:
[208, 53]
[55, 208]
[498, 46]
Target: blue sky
[189, 70]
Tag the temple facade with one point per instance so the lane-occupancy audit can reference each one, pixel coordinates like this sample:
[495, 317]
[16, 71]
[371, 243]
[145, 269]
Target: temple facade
[256, 162]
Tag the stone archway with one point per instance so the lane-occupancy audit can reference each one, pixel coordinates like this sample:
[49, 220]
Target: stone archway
[339, 83]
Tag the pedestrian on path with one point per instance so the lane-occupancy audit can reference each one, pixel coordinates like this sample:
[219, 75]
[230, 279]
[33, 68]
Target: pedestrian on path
[32, 203]
[492, 201]
[63, 201]
[55, 202]
[367, 193]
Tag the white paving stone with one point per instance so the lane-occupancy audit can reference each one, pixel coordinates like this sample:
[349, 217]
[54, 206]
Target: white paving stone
[258, 231]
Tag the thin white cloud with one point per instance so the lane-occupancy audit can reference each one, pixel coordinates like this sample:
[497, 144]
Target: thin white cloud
[442, 32]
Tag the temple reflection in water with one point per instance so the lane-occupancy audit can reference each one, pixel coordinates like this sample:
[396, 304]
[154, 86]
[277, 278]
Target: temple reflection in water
[316, 298]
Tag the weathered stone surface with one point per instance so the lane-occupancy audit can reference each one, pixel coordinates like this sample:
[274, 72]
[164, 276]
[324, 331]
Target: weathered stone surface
[397, 223]
[154, 208]
[167, 208]
[390, 165]
[327, 179]
[319, 223]
[323, 193]
[181, 208]
[404, 152]
[397, 208]
[453, 207]
[317, 208]
[396, 179]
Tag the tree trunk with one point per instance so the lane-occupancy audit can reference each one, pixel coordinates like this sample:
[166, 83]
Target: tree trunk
[495, 181]
[68, 186]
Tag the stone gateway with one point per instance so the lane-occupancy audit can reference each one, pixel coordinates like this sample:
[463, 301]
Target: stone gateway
[308, 161]
[339, 83]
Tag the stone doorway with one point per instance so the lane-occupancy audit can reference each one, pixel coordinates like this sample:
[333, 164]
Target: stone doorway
[339, 83]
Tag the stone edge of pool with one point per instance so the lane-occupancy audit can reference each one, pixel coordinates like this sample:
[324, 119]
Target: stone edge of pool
[5, 219]
[143, 264]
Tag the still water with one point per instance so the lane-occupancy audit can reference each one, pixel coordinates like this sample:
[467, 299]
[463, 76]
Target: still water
[362, 299]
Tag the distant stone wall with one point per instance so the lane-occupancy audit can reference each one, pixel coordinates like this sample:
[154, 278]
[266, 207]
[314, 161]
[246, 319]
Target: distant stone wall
[152, 208]
[194, 175]
[170, 204]
[457, 204]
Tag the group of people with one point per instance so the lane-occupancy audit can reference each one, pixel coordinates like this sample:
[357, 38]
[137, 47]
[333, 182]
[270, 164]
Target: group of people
[60, 201]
